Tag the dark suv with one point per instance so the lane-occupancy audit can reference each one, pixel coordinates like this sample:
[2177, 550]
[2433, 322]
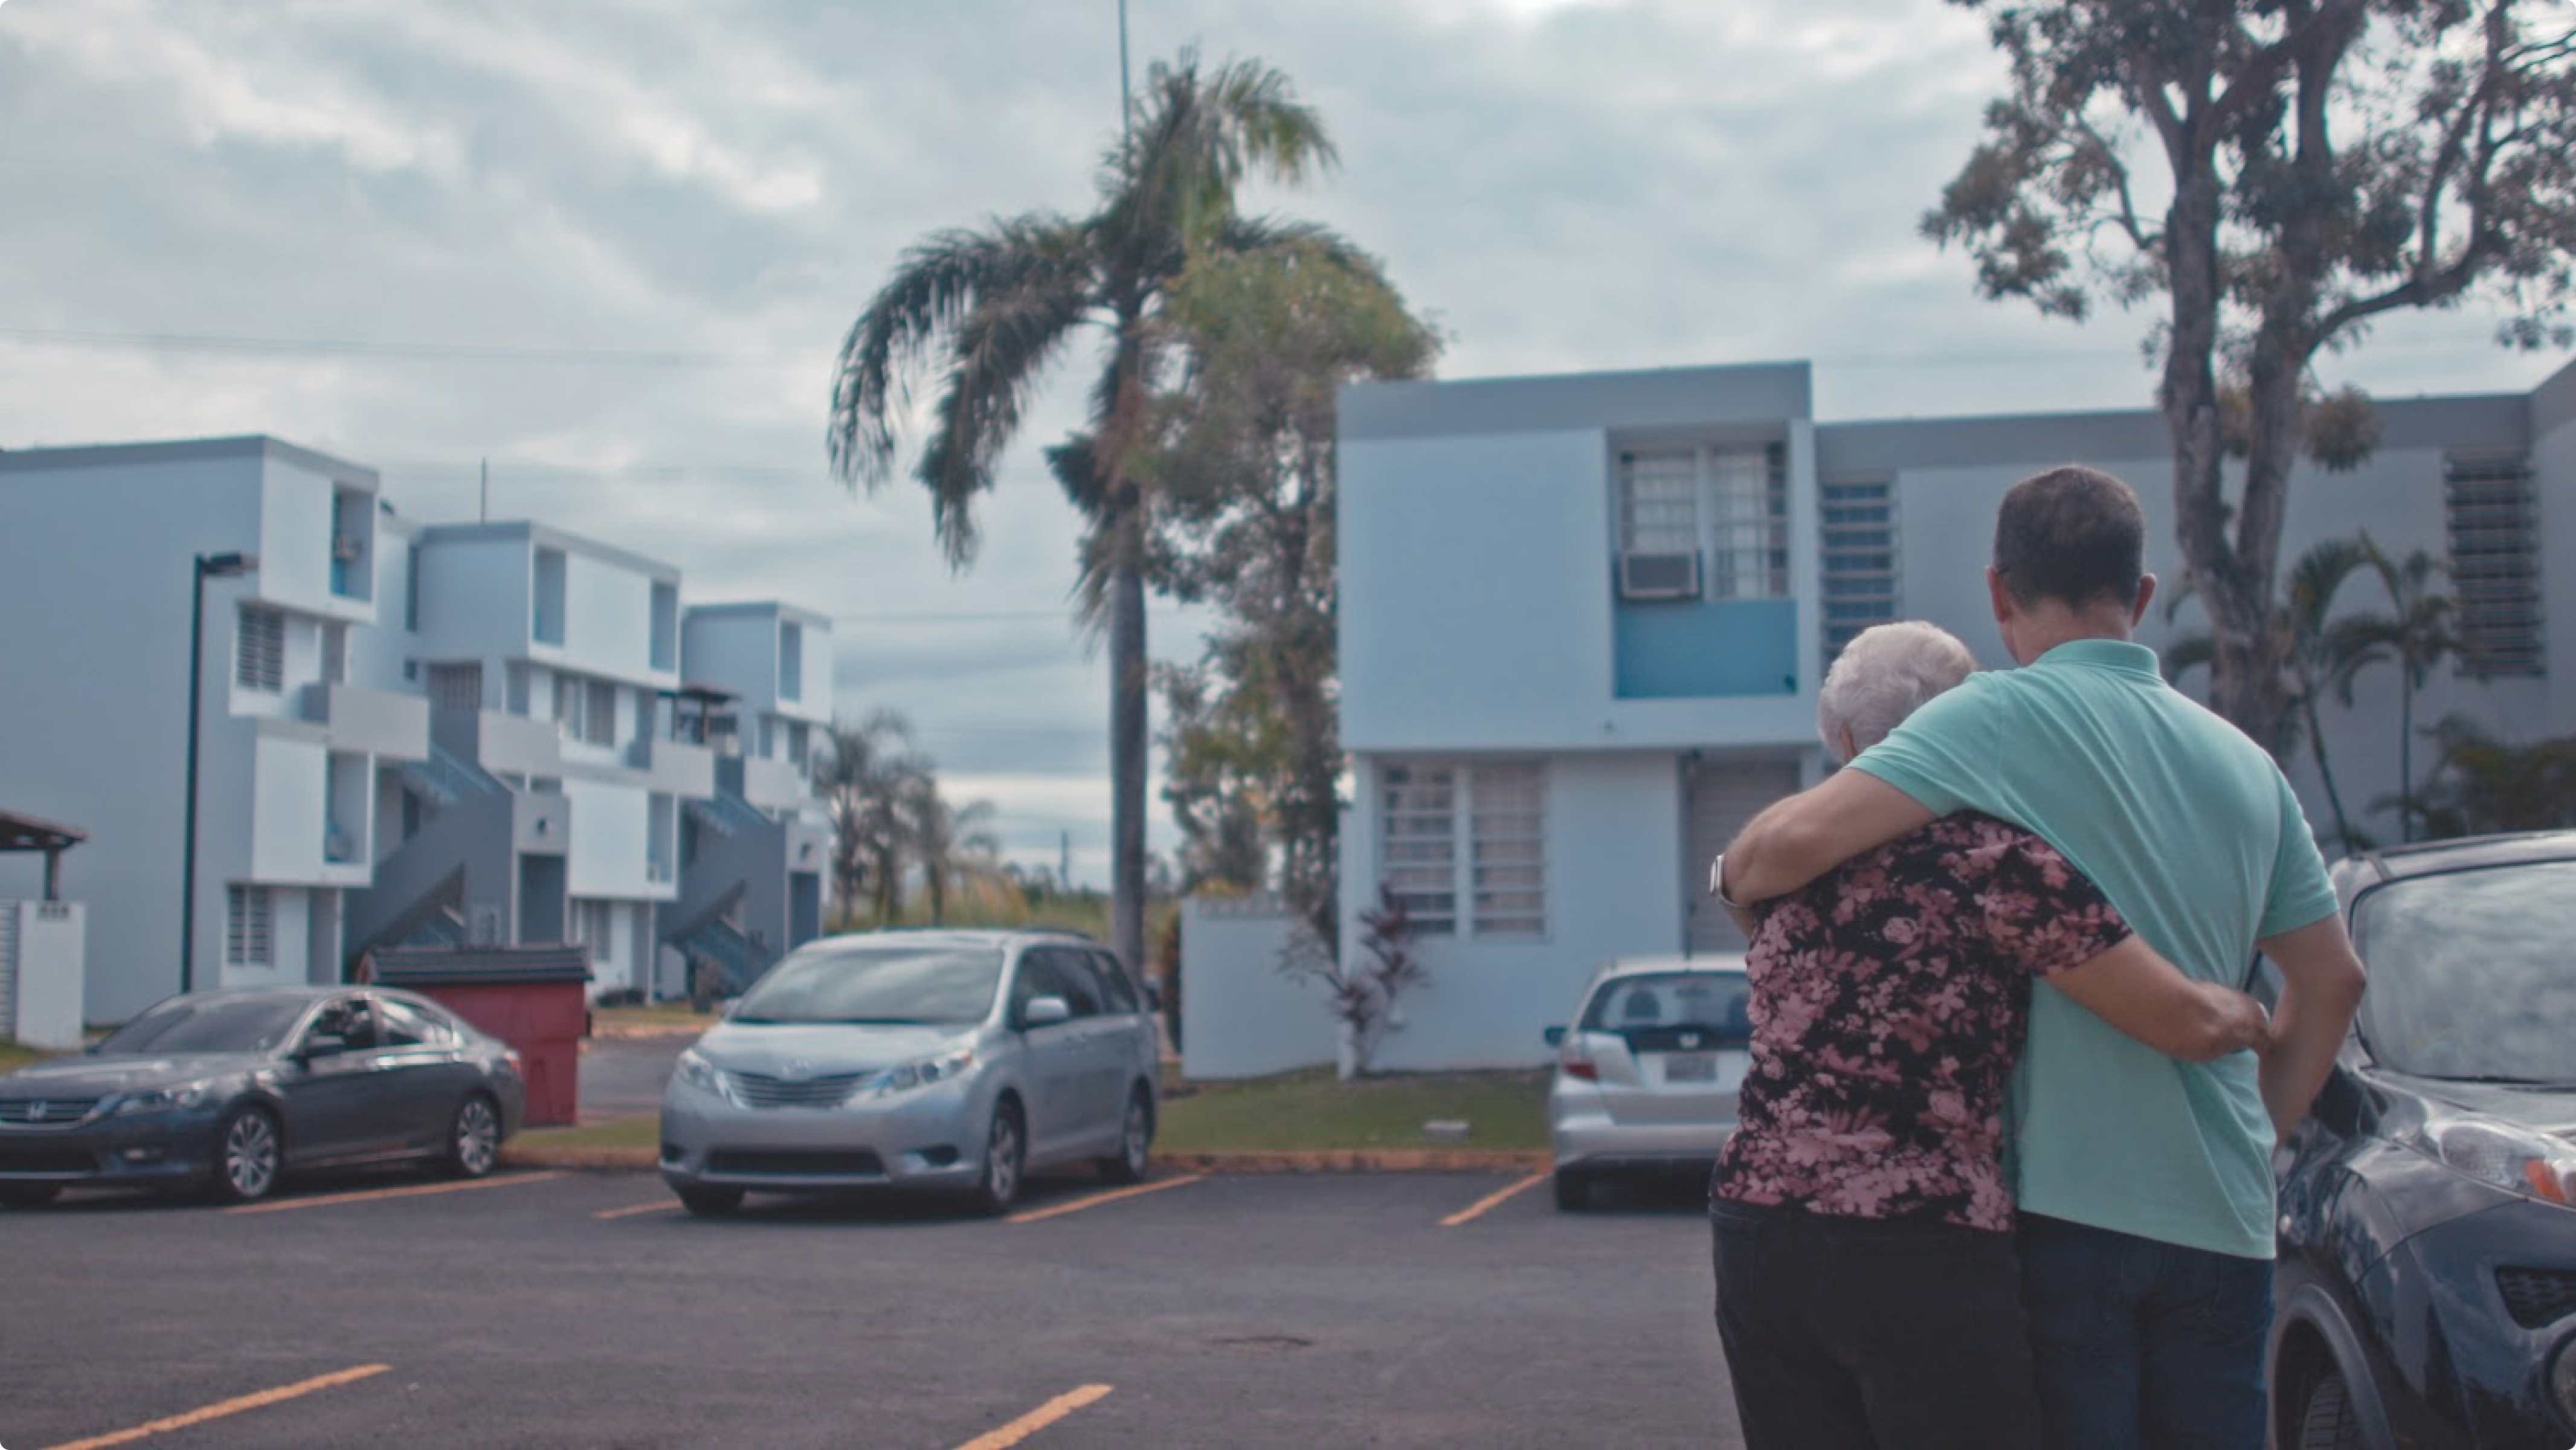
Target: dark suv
[2427, 1279]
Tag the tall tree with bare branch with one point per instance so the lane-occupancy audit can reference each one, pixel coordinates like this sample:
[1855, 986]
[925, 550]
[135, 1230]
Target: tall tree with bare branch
[2280, 173]
[985, 311]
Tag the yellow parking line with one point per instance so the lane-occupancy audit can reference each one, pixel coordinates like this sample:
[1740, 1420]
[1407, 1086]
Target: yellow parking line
[231, 1407]
[371, 1195]
[1097, 1199]
[1490, 1199]
[665, 1206]
[1041, 1417]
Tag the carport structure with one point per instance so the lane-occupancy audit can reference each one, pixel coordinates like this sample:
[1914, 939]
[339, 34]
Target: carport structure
[27, 833]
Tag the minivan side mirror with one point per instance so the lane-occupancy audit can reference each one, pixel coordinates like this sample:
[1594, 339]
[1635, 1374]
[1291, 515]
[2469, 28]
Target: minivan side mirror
[1045, 1012]
[1555, 1036]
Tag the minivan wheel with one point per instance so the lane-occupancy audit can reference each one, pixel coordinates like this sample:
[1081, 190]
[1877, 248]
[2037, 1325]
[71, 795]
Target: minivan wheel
[1006, 1153]
[247, 1156]
[710, 1202]
[474, 1139]
[1573, 1190]
[1135, 1141]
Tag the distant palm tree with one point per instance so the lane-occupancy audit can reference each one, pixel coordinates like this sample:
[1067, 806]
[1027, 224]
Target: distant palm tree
[988, 309]
[953, 845]
[2421, 632]
[2481, 784]
[856, 772]
[2318, 654]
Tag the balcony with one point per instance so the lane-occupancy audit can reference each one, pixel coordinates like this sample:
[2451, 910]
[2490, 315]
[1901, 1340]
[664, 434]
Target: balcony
[768, 784]
[499, 743]
[675, 767]
[375, 722]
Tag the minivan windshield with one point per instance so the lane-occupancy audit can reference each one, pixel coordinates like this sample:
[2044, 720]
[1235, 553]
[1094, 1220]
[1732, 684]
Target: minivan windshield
[207, 1024]
[2469, 973]
[912, 984]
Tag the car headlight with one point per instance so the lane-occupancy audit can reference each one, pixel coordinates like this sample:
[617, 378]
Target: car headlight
[695, 1071]
[163, 1100]
[917, 1074]
[2505, 1156]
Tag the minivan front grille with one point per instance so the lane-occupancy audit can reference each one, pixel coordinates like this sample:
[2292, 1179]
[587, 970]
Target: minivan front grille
[759, 1090]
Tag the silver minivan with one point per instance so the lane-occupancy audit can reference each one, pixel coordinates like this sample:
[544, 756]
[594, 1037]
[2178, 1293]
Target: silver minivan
[958, 1060]
[1647, 1075]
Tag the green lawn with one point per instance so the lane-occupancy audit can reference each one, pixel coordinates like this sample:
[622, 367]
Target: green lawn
[13, 1057]
[655, 1017]
[1310, 1110]
[1292, 1112]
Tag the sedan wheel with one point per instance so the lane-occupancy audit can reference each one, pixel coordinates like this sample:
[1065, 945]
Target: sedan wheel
[247, 1156]
[474, 1139]
[1135, 1142]
[1006, 1153]
[27, 1195]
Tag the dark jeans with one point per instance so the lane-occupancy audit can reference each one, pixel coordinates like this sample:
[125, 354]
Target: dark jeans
[1872, 1334]
[2144, 1344]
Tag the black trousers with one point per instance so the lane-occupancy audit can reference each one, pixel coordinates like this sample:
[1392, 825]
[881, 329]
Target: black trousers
[1872, 1334]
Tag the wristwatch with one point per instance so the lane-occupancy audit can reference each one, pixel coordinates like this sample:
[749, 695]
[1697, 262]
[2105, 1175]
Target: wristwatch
[1717, 884]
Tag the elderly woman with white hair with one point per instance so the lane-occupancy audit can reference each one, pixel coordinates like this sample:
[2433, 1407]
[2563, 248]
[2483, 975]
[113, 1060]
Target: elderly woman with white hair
[1868, 1293]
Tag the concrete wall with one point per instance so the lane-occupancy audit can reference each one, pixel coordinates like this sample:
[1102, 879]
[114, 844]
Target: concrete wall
[1239, 1016]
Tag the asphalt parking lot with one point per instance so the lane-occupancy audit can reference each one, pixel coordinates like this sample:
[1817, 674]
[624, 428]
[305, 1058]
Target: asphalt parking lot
[574, 1309]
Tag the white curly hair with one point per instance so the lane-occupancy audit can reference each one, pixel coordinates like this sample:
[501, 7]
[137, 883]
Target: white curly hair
[1884, 675]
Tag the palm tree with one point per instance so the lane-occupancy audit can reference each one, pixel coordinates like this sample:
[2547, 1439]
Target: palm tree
[2420, 632]
[2481, 784]
[989, 309]
[2318, 654]
[951, 844]
[852, 773]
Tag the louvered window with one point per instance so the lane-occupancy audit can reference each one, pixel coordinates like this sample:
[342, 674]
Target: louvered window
[1858, 535]
[1477, 834]
[250, 920]
[2495, 560]
[259, 656]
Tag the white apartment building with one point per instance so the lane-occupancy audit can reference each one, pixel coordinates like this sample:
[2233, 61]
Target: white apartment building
[99, 565]
[753, 856]
[548, 806]
[1583, 621]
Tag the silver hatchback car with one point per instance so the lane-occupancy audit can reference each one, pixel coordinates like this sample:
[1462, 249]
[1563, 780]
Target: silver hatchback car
[958, 1060]
[1646, 1078]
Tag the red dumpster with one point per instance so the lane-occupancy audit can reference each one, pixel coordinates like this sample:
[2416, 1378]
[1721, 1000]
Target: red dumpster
[535, 998]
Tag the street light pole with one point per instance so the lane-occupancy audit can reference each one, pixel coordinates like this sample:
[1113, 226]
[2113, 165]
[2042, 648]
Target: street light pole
[208, 566]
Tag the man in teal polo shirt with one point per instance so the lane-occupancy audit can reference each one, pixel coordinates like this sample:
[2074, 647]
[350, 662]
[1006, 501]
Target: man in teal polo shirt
[2144, 1182]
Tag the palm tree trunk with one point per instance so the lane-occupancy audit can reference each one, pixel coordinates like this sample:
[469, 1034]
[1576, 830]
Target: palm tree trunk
[2325, 773]
[1127, 762]
[2406, 754]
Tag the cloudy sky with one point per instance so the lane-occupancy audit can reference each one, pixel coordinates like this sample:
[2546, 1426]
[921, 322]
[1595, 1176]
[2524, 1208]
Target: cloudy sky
[611, 246]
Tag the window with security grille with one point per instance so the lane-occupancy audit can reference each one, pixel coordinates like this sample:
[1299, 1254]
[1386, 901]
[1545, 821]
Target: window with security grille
[1749, 512]
[259, 655]
[2495, 560]
[250, 927]
[1857, 555]
[1466, 833]
[1659, 501]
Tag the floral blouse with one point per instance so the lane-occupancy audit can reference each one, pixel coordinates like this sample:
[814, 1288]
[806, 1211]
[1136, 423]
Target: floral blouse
[1890, 999]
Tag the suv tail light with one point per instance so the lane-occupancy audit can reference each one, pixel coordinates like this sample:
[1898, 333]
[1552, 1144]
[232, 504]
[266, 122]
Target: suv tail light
[1575, 1060]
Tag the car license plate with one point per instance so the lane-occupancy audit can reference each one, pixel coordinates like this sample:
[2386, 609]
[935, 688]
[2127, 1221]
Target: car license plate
[1690, 1067]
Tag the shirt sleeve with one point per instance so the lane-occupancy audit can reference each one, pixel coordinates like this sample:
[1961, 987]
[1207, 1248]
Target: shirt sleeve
[2300, 895]
[2044, 914]
[1941, 754]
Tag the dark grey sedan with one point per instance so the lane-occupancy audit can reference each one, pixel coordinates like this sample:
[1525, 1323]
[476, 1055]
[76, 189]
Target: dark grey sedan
[225, 1092]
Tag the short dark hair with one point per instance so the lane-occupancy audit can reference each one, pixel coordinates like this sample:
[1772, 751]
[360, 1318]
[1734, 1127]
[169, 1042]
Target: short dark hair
[2073, 534]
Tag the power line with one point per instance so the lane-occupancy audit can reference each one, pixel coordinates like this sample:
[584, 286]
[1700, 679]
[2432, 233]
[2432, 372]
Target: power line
[391, 351]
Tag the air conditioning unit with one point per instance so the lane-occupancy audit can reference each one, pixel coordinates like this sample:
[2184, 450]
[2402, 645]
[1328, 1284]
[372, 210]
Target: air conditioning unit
[1658, 574]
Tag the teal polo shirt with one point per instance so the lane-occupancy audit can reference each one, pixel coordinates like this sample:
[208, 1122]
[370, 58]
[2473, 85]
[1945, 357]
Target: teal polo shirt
[2196, 837]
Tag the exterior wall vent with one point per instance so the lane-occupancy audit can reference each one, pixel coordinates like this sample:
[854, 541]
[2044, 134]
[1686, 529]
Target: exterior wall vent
[1658, 574]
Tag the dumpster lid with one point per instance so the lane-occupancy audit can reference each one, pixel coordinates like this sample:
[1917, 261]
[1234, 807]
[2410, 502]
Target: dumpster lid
[476, 965]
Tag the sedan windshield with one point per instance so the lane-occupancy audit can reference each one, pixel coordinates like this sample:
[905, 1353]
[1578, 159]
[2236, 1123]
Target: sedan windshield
[942, 986]
[217, 1024]
[2470, 977]
[1714, 1002]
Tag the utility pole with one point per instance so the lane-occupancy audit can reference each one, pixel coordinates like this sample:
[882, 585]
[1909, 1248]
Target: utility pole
[484, 514]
